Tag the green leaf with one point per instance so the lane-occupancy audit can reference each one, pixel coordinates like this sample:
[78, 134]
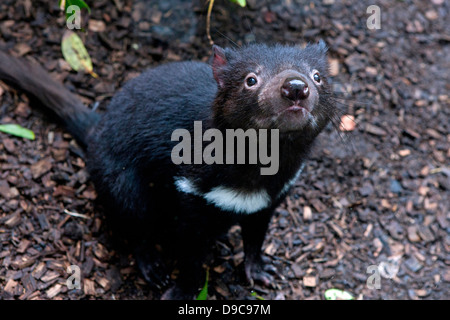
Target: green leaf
[257, 296]
[18, 131]
[203, 295]
[79, 3]
[242, 3]
[75, 53]
[336, 294]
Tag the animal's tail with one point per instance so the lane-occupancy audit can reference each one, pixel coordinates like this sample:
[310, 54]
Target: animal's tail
[38, 84]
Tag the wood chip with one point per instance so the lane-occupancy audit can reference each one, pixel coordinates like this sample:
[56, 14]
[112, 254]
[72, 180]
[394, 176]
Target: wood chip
[307, 213]
[105, 283]
[368, 230]
[10, 287]
[270, 249]
[22, 48]
[334, 67]
[426, 234]
[49, 276]
[101, 252]
[377, 131]
[13, 220]
[39, 270]
[23, 245]
[310, 281]
[404, 152]
[40, 168]
[89, 287]
[413, 234]
[9, 145]
[53, 291]
[336, 228]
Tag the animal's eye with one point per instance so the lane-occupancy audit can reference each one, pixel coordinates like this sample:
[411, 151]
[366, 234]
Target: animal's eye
[316, 77]
[251, 81]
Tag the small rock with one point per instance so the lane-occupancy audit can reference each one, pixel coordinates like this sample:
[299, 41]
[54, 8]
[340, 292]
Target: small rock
[422, 292]
[413, 264]
[413, 235]
[395, 230]
[6, 191]
[73, 230]
[96, 25]
[431, 15]
[395, 186]
[371, 71]
[366, 189]
[283, 223]
[347, 123]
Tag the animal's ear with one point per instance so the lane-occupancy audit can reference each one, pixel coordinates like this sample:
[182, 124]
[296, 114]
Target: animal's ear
[322, 46]
[219, 62]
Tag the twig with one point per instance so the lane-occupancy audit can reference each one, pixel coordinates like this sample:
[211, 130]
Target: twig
[208, 22]
[75, 214]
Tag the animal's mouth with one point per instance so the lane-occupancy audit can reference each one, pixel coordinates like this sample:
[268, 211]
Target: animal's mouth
[296, 109]
[294, 118]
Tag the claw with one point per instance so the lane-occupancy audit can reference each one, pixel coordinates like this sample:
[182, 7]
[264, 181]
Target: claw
[153, 271]
[260, 272]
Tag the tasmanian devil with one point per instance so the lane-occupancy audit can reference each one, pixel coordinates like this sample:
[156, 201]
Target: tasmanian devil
[153, 202]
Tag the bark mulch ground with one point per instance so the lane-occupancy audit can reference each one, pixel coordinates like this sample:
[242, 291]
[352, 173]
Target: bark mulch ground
[374, 196]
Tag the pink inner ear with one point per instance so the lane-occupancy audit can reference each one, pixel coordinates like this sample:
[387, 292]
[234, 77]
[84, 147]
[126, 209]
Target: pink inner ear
[219, 61]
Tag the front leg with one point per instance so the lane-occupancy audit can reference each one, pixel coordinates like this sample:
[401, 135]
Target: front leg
[254, 228]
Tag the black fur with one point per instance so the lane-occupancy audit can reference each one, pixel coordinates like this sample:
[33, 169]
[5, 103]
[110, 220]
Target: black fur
[129, 148]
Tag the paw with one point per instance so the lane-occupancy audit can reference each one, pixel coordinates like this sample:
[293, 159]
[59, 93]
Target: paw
[177, 293]
[260, 271]
[153, 271]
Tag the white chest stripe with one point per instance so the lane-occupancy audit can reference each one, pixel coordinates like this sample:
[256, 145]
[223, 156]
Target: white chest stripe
[228, 199]
[232, 200]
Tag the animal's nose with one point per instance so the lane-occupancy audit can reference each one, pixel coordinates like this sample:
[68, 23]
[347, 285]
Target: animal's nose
[295, 89]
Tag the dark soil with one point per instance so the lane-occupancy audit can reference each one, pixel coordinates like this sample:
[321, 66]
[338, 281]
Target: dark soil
[376, 195]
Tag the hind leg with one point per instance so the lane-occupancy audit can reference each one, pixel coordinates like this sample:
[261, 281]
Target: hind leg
[190, 255]
[151, 265]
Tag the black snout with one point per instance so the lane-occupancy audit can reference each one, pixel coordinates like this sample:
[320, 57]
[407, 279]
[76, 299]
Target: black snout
[295, 89]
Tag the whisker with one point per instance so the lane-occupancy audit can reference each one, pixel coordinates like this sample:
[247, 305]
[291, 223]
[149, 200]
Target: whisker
[227, 38]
